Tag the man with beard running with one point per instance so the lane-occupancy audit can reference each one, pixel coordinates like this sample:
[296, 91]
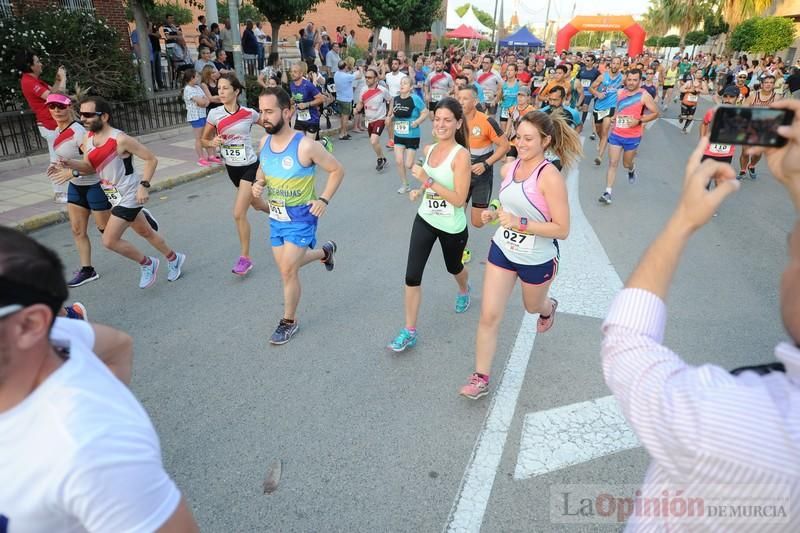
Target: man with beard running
[392, 80]
[490, 81]
[438, 85]
[109, 152]
[374, 100]
[763, 97]
[604, 89]
[586, 76]
[288, 162]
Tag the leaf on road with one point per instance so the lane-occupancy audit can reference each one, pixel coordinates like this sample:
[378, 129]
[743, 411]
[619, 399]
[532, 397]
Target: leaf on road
[273, 477]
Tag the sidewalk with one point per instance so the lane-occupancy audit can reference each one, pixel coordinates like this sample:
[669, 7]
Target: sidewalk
[26, 194]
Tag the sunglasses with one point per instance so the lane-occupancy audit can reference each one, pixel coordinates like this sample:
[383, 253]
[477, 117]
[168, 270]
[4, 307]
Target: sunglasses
[61, 107]
[369, 77]
[90, 114]
[7, 310]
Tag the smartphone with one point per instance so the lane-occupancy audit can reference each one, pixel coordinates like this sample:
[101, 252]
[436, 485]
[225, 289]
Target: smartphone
[749, 126]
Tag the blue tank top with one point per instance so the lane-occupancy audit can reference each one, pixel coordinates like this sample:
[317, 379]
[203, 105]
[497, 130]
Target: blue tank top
[289, 183]
[419, 83]
[510, 93]
[609, 86]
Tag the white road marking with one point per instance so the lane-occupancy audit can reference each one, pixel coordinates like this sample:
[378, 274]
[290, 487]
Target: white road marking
[677, 123]
[572, 434]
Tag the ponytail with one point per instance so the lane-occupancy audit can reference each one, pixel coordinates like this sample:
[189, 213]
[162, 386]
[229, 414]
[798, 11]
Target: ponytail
[564, 141]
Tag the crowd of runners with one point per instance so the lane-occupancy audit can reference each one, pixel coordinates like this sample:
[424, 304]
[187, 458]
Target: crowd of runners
[523, 113]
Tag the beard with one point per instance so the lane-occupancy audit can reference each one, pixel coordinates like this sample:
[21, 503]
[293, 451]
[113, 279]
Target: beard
[273, 129]
[95, 125]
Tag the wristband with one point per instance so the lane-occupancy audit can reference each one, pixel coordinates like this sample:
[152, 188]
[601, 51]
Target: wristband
[428, 183]
[494, 205]
[76, 174]
[324, 200]
[486, 166]
[145, 184]
[523, 224]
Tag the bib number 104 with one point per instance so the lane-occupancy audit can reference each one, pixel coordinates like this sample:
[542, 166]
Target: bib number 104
[437, 204]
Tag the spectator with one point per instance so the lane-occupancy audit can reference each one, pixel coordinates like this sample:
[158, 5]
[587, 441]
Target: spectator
[203, 60]
[171, 34]
[351, 38]
[428, 39]
[201, 21]
[206, 39]
[793, 82]
[181, 58]
[343, 43]
[208, 82]
[63, 387]
[221, 62]
[155, 57]
[215, 35]
[343, 79]
[711, 435]
[271, 70]
[308, 38]
[226, 42]
[261, 37]
[332, 60]
[249, 48]
[324, 48]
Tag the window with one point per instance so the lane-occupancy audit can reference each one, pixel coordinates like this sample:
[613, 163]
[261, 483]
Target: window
[77, 5]
[5, 8]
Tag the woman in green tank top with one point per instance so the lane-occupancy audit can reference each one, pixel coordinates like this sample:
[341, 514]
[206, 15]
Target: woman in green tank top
[445, 177]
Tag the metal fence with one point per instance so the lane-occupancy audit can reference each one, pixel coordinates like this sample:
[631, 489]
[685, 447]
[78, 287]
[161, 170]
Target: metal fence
[19, 136]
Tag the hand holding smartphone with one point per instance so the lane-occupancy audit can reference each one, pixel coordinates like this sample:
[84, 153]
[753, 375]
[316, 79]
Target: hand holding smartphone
[750, 126]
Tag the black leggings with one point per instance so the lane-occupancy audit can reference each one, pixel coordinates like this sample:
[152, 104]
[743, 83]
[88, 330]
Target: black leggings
[423, 235]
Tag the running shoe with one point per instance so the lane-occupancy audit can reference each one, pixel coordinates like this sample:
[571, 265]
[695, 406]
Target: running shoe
[284, 332]
[598, 161]
[632, 176]
[215, 159]
[83, 276]
[462, 301]
[77, 311]
[330, 255]
[741, 175]
[544, 324]
[150, 218]
[149, 272]
[381, 164]
[175, 266]
[405, 339]
[242, 266]
[466, 256]
[203, 162]
[592, 137]
[390, 144]
[327, 143]
[476, 388]
[752, 172]
[404, 189]
[605, 199]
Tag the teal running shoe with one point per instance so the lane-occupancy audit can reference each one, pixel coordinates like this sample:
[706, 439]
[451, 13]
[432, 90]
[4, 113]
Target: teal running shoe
[462, 301]
[405, 339]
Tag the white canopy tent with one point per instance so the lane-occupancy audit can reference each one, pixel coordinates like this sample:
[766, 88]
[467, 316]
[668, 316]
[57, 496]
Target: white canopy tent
[454, 21]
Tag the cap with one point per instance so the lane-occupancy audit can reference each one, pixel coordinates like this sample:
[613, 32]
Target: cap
[742, 74]
[524, 89]
[58, 99]
[730, 90]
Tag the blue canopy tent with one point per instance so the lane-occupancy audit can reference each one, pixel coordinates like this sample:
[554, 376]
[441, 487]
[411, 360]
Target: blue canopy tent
[522, 37]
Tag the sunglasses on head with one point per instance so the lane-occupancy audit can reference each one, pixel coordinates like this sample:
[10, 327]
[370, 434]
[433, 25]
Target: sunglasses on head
[53, 105]
[90, 114]
[8, 310]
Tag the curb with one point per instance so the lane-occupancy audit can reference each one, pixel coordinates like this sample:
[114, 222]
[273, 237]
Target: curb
[57, 216]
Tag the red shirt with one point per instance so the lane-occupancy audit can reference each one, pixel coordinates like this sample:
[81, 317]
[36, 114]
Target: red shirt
[32, 89]
[524, 76]
[717, 150]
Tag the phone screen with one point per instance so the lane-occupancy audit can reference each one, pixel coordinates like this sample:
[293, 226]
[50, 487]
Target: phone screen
[750, 126]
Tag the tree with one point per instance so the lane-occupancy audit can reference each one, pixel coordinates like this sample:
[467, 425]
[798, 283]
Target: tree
[375, 14]
[773, 34]
[418, 16]
[670, 41]
[696, 38]
[653, 41]
[461, 10]
[484, 18]
[246, 11]
[715, 25]
[744, 36]
[283, 12]
[157, 12]
[735, 11]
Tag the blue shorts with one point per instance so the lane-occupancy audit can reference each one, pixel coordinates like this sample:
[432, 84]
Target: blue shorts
[300, 234]
[628, 144]
[88, 197]
[199, 123]
[530, 274]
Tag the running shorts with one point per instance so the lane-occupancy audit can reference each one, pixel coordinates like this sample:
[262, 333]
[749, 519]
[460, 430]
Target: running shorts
[308, 127]
[301, 234]
[723, 159]
[376, 127]
[245, 173]
[199, 123]
[610, 114]
[480, 190]
[88, 197]
[530, 274]
[628, 144]
[412, 143]
[688, 111]
[128, 214]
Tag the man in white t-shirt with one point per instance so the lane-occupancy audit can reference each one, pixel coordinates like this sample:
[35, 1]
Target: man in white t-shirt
[392, 79]
[374, 100]
[77, 450]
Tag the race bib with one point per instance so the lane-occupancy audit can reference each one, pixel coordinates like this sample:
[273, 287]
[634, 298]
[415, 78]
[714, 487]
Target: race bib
[504, 113]
[402, 127]
[304, 115]
[433, 204]
[489, 95]
[277, 210]
[602, 114]
[719, 148]
[624, 122]
[332, 88]
[586, 83]
[234, 153]
[537, 82]
[113, 195]
[435, 97]
[518, 242]
[691, 98]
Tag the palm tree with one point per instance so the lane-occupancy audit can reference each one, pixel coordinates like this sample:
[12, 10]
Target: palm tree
[688, 14]
[735, 11]
[659, 17]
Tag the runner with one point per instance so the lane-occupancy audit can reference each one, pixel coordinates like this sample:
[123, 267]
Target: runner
[722, 153]
[438, 85]
[445, 185]
[560, 79]
[570, 115]
[604, 89]
[109, 152]
[308, 101]
[484, 135]
[228, 128]
[763, 97]
[650, 82]
[744, 90]
[670, 80]
[288, 161]
[507, 97]
[409, 112]
[490, 82]
[538, 78]
[626, 134]
[690, 95]
[534, 213]
[586, 76]
[374, 100]
[522, 108]
[392, 80]
[84, 194]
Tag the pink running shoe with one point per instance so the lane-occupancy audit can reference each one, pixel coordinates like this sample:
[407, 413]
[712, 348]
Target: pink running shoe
[243, 266]
[476, 388]
[543, 324]
[215, 159]
[203, 163]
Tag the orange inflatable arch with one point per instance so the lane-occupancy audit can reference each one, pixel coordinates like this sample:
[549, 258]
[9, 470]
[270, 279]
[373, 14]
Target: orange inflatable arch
[625, 24]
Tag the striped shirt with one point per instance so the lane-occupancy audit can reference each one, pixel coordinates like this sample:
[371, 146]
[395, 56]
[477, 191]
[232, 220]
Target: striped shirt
[710, 434]
[193, 111]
